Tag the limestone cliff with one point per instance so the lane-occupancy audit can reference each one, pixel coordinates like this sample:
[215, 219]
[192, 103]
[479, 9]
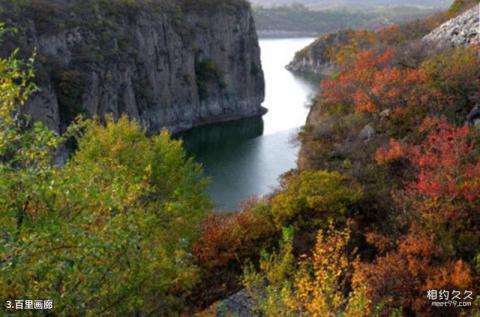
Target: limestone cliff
[174, 64]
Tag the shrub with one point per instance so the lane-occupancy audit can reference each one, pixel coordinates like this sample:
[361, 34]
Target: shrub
[455, 75]
[373, 85]
[445, 192]
[314, 197]
[406, 272]
[312, 286]
[234, 238]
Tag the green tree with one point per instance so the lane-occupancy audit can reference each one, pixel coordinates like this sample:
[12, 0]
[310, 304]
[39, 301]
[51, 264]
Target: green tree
[108, 233]
[314, 197]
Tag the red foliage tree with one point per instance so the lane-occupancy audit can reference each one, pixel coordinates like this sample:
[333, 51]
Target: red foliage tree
[227, 238]
[448, 170]
[372, 84]
[446, 189]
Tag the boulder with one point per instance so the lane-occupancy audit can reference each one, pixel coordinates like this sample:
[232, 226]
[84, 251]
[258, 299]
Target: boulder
[474, 115]
[386, 113]
[367, 132]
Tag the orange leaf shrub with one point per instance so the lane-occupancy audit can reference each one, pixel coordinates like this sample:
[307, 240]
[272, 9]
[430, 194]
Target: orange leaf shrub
[372, 84]
[358, 40]
[227, 238]
[394, 151]
[406, 273]
[444, 199]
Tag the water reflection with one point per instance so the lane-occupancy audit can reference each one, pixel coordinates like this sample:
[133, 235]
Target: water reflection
[202, 141]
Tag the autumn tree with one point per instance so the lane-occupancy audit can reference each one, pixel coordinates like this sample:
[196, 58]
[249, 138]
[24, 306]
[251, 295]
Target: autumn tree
[440, 204]
[373, 84]
[446, 190]
[318, 285]
[107, 234]
[406, 268]
[344, 53]
[229, 239]
[314, 198]
[455, 75]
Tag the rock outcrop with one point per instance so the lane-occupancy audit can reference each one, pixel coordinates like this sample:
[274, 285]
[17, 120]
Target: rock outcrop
[473, 117]
[316, 58]
[462, 30]
[173, 64]
[239, 304]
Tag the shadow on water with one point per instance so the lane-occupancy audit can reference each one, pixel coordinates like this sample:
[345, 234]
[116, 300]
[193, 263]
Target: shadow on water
[202, 141]
[232, 156]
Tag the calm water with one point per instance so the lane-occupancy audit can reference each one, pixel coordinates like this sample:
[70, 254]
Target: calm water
[246, 157]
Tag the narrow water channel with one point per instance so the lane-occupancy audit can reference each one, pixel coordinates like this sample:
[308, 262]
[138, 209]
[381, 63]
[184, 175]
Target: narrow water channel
[246, 157]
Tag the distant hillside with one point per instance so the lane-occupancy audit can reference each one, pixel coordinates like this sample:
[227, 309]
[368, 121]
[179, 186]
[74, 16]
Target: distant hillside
[323, 4]
[299, 20]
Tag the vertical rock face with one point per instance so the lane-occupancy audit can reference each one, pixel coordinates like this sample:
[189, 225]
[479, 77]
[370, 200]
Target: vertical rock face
[462, 30]
[174, 65]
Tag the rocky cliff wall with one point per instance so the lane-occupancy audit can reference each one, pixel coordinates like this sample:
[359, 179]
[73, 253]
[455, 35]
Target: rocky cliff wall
[173, 64]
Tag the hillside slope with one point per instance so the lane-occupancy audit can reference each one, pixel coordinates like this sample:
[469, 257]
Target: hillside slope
[440, 30]
[459, 31]
[386, 194]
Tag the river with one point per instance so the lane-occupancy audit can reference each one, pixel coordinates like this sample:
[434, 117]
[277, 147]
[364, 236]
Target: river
[246, 157]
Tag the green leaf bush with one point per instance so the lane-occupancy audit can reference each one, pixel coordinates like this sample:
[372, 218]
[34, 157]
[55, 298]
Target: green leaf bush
[109, 232]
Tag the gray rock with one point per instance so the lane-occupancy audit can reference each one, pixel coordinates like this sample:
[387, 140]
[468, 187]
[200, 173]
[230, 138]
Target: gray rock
[315, 58]
[474, 114]
[238, 305]
[163, 68]
[367, 133]
[462, 30]
[385, 113]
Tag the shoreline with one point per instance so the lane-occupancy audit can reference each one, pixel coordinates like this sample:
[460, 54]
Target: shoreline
[217, 119]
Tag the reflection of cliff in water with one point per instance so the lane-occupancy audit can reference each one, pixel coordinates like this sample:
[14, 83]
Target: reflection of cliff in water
[203, 140]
